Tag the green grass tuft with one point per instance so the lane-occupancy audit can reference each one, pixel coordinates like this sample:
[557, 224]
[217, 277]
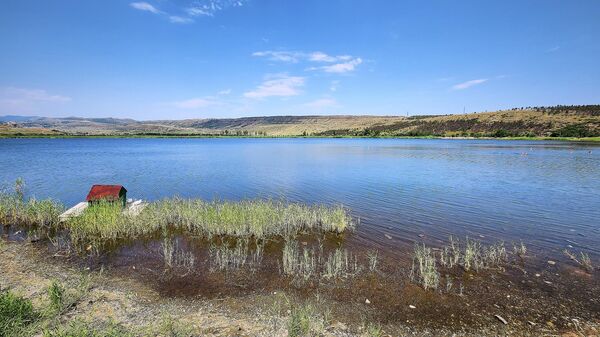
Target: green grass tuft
[16, 313]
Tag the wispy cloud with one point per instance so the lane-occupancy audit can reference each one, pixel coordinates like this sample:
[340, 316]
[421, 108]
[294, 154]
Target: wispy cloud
[144, 6]
[22, 100]
[553, 49]
[192, 9]
[180, 19]
[224, 92]
[322, 103]
[210, 7]
[468, 84]
[196, 103]
[280, 56]
[280, 85]
[340, 68]
[17, 96]
[337, 63]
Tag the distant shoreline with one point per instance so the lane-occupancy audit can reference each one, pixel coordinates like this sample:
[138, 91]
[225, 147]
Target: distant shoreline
[568, 139]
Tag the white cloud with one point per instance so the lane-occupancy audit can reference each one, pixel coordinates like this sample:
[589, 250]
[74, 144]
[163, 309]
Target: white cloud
[180, 19]
[26, 101]
[322, 103]
[224, 92]
[469, 84]
[197, 8]
[340, 68]
[342, 63]
[210, 7]
[553, 49]
[17, 96]
[281, 56]
[278, 85]
[195, 103]
[144, 6]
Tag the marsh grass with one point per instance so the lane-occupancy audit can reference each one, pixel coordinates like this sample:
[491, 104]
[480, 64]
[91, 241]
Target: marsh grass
[41, 213]
[473, 256]
[341, 264]
[105, 222]
[373, 260]
[424, 270]
[300, 263]
[520, 250]
[176, 257]
[584, 260]
[223, 257]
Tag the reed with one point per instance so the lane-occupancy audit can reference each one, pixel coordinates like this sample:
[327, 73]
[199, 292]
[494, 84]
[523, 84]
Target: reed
[341, 264]
[424, 270]
[176, 257]
[373, 260]
[226, 258]
[298, 263]
[14, 209]
[105, 222]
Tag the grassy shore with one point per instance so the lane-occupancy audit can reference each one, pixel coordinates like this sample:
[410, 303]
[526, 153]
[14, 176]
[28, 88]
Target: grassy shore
[106, 222]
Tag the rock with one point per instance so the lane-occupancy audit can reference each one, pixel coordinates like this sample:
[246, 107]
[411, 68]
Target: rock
[550, 262]
[339, 326]
[550, 324]
[367, 301]
[531, 323]
[501, 319]
[412, 306]
[388, 236]
[304, 243]
[421, 235]
[547, 282]
[537, 275]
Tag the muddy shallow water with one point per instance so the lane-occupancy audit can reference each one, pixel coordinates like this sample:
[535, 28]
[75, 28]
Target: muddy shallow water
[528, 291]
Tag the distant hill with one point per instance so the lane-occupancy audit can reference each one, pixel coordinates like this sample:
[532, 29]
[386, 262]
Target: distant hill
[557, 121]
[17, 119]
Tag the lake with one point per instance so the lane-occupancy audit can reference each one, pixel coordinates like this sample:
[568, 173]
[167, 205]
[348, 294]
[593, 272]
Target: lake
[542, 192]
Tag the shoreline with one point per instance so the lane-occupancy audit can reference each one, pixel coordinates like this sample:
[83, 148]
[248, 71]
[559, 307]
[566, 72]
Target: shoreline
[142, 136]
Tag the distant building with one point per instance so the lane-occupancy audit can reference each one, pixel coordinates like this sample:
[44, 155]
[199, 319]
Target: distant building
[107, 193]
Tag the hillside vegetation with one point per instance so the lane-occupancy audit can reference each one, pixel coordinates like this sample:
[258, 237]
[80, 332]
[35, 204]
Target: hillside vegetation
[558, 121]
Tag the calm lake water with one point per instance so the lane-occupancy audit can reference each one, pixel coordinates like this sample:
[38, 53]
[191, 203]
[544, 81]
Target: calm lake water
[545, 193]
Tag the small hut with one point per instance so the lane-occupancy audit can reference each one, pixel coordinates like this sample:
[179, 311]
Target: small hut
[107, 193]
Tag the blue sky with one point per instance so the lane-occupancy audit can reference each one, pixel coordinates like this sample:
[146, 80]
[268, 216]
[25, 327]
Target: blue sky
[174, 59]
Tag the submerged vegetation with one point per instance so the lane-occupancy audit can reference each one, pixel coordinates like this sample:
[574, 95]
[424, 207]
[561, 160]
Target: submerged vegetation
[473, 256]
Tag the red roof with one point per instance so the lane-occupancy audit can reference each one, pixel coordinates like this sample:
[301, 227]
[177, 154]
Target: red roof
[107, 192]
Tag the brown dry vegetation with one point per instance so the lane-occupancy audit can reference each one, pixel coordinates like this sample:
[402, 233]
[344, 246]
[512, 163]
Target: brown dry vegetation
[560, 121]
